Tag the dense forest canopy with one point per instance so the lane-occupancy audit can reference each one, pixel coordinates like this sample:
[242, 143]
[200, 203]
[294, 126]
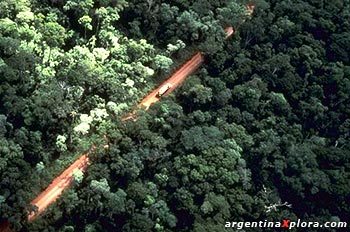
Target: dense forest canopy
[260, 132]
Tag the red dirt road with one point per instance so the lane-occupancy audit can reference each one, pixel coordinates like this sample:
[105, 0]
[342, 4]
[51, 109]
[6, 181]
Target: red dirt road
[54, 190]
[180, 75]
[65, 179]
[176, 79]
[57, 186]
[5, 227]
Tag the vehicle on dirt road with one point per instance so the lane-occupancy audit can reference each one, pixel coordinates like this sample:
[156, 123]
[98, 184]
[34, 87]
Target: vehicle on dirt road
[164, 89]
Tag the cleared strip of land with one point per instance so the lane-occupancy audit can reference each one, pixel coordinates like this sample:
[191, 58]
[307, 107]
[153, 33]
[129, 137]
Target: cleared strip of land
[66, 178]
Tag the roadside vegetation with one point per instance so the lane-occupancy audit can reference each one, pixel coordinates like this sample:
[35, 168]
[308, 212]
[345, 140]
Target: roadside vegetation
[260, 132]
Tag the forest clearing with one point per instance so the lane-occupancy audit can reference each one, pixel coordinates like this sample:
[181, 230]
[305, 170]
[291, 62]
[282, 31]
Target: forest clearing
[259, 130]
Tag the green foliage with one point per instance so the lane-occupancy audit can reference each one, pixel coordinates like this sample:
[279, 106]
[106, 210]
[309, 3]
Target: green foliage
[79, 6]
[85, 21]
[61, 143]
[261, 132]
[197, 22]
[201, 138]
[162, 62]
[54, 34]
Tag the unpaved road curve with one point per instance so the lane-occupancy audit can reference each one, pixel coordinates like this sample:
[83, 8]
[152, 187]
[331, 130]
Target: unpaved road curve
[65, 179]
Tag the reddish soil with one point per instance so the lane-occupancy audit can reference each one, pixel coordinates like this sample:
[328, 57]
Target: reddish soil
[176, 79]
[57, 186]
[65, 179]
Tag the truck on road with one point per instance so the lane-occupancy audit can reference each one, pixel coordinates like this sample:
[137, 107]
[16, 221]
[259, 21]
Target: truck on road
[164, 89]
